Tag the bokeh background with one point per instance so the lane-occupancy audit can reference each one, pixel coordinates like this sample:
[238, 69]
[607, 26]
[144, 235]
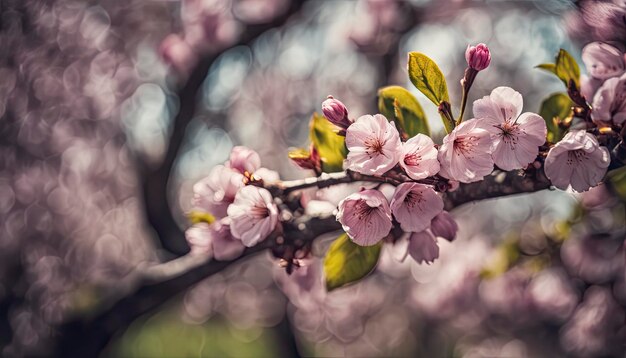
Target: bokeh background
[112, 110]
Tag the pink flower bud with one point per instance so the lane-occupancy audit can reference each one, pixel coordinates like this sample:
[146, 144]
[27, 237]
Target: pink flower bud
[423, 247]
[253, 215]
[336, 112]
[444, 226]
[244, 159]
[478, 57]
[365, 217]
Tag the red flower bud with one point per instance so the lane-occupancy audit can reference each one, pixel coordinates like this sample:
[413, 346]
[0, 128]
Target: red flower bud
[478, 57]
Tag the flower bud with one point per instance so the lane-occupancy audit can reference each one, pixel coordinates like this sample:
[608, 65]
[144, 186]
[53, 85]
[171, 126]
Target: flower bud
[336, 112]
[444, 226]
[478, 57]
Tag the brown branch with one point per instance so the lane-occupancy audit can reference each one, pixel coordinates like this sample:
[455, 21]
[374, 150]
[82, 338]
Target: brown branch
[155, 181]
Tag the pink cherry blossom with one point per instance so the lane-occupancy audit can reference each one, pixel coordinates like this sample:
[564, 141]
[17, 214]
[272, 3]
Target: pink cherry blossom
[419, 157]
[415, 205]
[602, 60]
[515, 138]
[253, 215]
[365, 217]
[214, 239]
[214, 193]
[577, 160]
[374, 145]
[444, 226]
[465, 155]
[423, 247]
[609, 102]
[244, 160]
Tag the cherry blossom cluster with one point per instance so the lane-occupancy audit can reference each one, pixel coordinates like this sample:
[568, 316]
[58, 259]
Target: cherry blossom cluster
[239, 203]
[240, 215]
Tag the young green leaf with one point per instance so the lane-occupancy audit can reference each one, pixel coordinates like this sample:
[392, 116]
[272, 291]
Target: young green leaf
[554, 109]
[427, 77]
[567, 69]
[549, 67]
[200, 217]
[410, 117]
[347, 262]
[330, 146]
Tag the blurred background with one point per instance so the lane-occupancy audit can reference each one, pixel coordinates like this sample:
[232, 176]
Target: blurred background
[112, 110]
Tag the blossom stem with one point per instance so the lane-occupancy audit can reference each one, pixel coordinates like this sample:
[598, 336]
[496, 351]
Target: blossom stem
[466, 84]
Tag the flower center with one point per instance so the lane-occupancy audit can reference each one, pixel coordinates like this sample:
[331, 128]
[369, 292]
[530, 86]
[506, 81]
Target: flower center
[509, 133]
[465, 146]
[412, 199]
[362, 210]
[412, 159]
[259, 212]
[374, 145]
[575, 157]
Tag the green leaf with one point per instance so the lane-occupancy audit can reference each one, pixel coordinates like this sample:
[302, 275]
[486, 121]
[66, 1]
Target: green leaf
[549, 67]
[554, 109]
[427, 77]
[567, 69]
[396, 103]
[200, 217]
[616, 179]
[347, 262]
[330, 146]
[299, 154]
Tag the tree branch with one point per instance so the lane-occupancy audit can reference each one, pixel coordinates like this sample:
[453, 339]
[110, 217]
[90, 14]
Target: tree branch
[155, 182]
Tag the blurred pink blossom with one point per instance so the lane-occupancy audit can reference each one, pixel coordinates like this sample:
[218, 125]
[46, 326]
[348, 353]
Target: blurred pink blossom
[244, 160]
[253, 215]
[465, 155]
[515, 138]
[602, 60]
[578, 160]
[419, 157]
[365, 217]
[374, 145]
[609, 102]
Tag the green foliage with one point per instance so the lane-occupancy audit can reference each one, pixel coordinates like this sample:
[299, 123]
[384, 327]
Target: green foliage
[347, 262]
[165, 335]
[299, 154]
[565, 68]
[554, 110]
[396, 103]
[329, 144]
[616, 179]
[427, 77]
[200, 217]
